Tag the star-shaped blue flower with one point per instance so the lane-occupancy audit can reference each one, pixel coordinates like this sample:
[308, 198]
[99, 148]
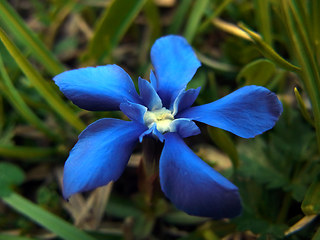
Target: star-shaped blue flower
[162, 110]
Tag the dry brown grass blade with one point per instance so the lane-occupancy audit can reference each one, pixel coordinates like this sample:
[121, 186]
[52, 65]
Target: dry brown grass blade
[87, 212]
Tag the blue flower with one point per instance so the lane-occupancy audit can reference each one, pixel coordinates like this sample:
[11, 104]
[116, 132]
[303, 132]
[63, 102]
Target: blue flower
[162, 110]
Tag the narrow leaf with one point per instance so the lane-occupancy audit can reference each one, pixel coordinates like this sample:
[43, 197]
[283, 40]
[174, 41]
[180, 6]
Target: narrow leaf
[216, 65]
[179, 16]
[111, 27]
[316, 236]
[10, 175]
[153, 19]
[13, 237]
[301, 50]
[46, 219]
[26, 153]
[18, 103]
[268, 52]
[311, 202]
[300, 224]
[216, 13]
[41, 85]
[17, 26]
[264, 19]
[194, 19]
[302, 107]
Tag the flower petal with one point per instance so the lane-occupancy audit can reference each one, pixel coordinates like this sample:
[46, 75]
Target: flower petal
[134, 111]
[100, 155]
[184, 127]
[149, 96]
[246, 112]
[100, 88]
[192, 185]
[185, 99]
[153, 80]
[175, 63]
[153, 131]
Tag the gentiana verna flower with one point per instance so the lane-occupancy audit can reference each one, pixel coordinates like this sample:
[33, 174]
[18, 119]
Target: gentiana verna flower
[162, 110]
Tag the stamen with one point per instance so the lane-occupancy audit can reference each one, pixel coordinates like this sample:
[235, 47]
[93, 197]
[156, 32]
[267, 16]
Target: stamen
[161, 117]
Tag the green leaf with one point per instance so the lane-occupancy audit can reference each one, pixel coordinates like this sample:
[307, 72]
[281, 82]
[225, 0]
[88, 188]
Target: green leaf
[49, 94]
[311, 202]
[181, 218]
[23, 34]
[268, 51]
[194, 20]
[44, 218]
[179, 16]
[199, 80]
[304, 52]
[263, 18]
[216, 65]
[143, 226]
[215, 14]
[10, 175]
[316, 236]
[302, 107]
[256, 165]
[14, 97]
[121, 208]
[224, 142]
[111, 27]
[153, 18]
[315, 6]
[26, 153]
[258, 72]
[281, 158]
[12, 237]
[267, 230]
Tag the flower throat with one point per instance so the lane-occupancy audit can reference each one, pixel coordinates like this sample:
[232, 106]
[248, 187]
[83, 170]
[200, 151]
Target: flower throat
[161, 117]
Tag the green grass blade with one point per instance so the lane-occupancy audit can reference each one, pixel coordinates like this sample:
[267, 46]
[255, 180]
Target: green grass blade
[58, 19]
[264, 19]
[268, 51]
[216, 13]
[12, 237]
[26, 153]
[46, 219]
[153, 19]
[41, 85]
[2, 119]
[316, 236]
[216, 65]
[309, 71]
[303, 108]
[22, 33]
[179, 16]
[18, 103]
[195, 18]
[315, 6]
[111, 27]
[307, 44]
[311, 201]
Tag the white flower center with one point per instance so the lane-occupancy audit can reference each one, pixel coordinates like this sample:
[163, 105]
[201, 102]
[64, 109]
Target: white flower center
[162, 117]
